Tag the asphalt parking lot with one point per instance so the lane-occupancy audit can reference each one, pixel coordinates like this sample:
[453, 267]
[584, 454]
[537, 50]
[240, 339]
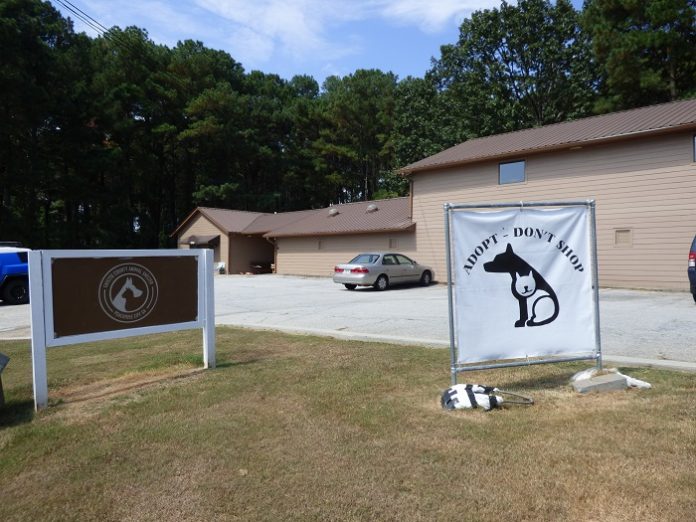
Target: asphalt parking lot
[654, 327]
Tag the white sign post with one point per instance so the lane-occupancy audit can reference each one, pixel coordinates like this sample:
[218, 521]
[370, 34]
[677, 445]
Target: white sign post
[82, 296]
[522, 284]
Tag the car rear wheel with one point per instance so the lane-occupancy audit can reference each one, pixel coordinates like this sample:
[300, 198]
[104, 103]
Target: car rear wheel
[16, 292]
[350, 287]
[426, 278]
[382, 283]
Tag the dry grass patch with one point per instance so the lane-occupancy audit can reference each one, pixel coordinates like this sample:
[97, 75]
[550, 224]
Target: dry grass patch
[304, 428]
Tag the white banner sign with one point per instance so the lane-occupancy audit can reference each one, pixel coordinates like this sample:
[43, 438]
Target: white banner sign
[523, 283]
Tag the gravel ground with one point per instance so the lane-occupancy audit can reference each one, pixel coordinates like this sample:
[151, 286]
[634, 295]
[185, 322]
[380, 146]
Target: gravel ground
[634, 324]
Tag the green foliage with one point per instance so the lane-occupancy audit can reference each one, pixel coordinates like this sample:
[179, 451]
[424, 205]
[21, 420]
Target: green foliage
[646, 50]
[355, 142]
[216, 195]
[501, 76]
[424, 122]
[110, 142]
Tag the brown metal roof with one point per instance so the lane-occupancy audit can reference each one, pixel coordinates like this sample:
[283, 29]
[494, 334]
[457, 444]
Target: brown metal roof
[234, 221]
[228, 221]
[353, 218]
[384, 215]
[654, 119]
[267, 222]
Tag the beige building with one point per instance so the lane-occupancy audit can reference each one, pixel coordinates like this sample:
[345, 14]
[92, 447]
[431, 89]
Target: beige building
[221, 230]
[235, 236]
[638, 165]
[308, 242]
[315, 244]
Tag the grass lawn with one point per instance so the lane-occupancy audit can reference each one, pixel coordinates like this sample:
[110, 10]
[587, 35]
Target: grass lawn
[307, 428]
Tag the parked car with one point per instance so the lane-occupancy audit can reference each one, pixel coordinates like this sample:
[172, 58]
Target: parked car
[692, 268]
[14, 275]
[381, 270]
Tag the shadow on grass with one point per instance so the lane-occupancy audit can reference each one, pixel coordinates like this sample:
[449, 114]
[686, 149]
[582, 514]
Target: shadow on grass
[231, 364]
[15, 413]
[542, 382]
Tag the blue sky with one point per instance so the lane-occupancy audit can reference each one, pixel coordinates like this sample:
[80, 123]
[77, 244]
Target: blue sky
[290, 37]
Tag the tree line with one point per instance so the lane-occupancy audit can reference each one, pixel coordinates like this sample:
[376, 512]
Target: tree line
[110, 141]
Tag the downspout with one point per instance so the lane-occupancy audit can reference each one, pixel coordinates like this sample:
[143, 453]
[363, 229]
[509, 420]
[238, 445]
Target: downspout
[273, 242]
[410, 198]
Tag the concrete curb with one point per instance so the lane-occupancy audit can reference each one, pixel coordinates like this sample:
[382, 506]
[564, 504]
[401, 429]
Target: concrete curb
[348, 336]
[620, 360]
[650, 363]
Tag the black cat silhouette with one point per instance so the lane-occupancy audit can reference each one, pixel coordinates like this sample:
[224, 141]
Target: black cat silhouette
[527, 286]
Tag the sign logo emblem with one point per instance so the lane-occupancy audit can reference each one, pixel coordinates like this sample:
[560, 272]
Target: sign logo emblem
[128, 292]
[534, 295]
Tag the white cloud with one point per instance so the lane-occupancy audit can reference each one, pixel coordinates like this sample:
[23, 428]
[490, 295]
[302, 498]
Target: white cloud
[298, 28]
[165, 23]
[431, 16]
[295, 28]
[251, 46]
[259, 32]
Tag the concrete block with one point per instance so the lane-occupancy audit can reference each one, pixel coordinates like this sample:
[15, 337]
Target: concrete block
[601, 383]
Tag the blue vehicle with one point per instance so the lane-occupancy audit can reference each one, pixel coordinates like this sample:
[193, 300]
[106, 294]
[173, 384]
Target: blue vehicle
[692, 268]
[14, 275]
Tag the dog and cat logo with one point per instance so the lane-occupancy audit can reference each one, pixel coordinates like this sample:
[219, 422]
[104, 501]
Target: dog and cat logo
[128, 292]
[538, 303]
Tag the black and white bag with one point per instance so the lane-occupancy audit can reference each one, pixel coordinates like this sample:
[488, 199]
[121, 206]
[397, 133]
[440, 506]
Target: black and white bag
[469, 396]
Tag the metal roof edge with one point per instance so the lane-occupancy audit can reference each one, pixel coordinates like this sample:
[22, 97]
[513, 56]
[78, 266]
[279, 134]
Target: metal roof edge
[404, 228]
[405, 171]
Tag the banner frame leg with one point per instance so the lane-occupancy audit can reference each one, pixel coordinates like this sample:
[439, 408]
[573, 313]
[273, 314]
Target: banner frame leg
[450, 296]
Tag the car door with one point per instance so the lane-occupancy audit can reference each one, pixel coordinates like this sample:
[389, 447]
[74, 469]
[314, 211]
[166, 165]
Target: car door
[390, 266]
[409, 269]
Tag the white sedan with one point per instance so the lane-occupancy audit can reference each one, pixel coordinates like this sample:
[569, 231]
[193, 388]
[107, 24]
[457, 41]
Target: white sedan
[381, 270]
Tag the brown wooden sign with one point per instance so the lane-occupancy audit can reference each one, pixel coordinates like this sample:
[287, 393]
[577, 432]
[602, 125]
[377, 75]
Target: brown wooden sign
[117, 293]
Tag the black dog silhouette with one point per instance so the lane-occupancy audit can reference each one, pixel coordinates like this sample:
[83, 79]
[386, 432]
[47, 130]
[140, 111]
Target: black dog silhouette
[527, 284]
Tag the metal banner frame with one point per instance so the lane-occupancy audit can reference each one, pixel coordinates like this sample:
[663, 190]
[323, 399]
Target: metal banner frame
[456, 368]
[41, 308]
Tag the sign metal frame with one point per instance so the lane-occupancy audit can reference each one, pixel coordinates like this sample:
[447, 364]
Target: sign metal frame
[596, 356]
[42, 318]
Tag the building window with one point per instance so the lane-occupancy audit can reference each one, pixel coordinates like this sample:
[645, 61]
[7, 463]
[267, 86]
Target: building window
[623, 237]
[393, 242]
[694, 147]
[513, 172]
[320, 244]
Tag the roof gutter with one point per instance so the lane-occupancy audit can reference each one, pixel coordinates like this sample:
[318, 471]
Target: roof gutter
[407, 228]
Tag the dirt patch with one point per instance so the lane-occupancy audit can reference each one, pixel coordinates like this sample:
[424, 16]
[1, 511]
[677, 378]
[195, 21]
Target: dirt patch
[106, 389]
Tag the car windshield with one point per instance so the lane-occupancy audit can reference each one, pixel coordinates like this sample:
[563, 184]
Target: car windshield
[364, 258]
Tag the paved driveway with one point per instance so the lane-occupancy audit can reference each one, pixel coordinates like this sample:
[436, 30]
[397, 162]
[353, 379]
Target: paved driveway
[635, 324]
